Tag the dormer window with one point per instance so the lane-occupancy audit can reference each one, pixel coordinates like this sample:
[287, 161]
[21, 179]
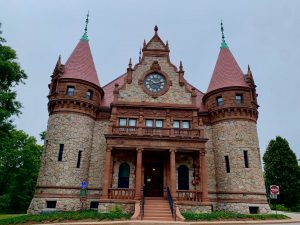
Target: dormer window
[70, 90]
[239, 99]
[219, 100]
[89, 95]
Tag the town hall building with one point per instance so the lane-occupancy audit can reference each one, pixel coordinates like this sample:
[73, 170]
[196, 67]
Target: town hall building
[149, 137]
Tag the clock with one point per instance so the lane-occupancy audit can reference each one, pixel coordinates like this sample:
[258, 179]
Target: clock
[155, 82]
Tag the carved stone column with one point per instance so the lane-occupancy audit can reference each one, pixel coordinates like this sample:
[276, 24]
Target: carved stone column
[138, 173]
[173, 173]
[106, 175]
[203, 172]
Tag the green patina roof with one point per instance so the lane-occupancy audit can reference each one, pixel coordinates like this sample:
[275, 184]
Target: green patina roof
[85, 36]
[223, 43]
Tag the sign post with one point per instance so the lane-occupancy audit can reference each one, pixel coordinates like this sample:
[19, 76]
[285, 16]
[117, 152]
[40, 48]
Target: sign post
[83, 193]
[274, 191]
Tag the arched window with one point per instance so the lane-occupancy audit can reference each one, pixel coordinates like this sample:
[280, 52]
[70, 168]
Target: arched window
[123, 180]
[183, 177]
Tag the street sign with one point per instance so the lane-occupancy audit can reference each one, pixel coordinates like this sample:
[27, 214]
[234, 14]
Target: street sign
[83, 193]
[83, 184]
[274, 189]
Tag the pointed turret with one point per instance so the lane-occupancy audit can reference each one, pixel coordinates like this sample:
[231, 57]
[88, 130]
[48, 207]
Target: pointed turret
[227, 72]
[80, 64]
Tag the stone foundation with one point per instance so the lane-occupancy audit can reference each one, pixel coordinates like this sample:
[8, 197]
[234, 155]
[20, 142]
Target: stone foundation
[127, 207]
[195, 208]
[242, 207]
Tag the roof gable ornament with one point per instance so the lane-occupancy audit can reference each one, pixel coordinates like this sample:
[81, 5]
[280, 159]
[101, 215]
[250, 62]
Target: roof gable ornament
[223, 43]
[85, 36]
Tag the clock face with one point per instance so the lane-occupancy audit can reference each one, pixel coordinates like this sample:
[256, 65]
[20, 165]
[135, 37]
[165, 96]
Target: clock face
[155, 82]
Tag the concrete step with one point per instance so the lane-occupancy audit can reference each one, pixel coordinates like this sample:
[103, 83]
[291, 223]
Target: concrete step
[158, 218]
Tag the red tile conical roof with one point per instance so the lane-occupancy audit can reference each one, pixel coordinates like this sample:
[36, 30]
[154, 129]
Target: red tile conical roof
[227, 72]
[80, 64]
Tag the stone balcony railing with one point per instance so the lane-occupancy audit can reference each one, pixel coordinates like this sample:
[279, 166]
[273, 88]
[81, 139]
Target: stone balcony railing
[160, 132]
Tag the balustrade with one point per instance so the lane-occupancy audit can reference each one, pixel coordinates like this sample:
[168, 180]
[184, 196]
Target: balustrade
[152, 131]
[189, 195]
[121, 193]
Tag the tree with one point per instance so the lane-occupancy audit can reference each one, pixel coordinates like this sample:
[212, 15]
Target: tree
[281, 168]
[11, 75]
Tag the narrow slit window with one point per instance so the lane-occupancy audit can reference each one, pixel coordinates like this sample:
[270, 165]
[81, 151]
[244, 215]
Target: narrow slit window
[79, 159]
[227, 164]
[60, 152]
[246, 159]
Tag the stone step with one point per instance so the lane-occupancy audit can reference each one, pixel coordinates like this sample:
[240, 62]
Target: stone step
[157, 210]
[158, 218]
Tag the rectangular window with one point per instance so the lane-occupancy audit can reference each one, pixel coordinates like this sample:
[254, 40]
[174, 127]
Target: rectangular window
[158, 123]
[219, 100]
[70, 90]
[122, 122]
[176, 124]
[227, 164]
[60, 152]
[132, 122]
[253, 210]
[79, 159]
[246, 159]
[51, 204]
[94, 205]
[186, 124]
[149, 123]
[89, 94]
[239, 98]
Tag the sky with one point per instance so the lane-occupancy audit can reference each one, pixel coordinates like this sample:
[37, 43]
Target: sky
[264, 34]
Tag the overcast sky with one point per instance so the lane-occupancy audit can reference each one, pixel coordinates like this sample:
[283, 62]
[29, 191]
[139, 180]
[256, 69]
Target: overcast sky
[264, 34]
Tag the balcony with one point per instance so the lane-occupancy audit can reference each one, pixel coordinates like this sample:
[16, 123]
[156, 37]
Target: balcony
[158, 132]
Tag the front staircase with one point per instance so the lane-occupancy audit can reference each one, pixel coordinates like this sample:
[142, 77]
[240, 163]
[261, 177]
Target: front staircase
[157, 209]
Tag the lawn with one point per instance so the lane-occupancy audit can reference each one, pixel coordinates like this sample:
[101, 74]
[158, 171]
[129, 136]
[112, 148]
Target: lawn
[219, 215]
[62, 216]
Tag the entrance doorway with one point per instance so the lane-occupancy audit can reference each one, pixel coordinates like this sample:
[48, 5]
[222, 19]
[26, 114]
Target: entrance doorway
[154, 179]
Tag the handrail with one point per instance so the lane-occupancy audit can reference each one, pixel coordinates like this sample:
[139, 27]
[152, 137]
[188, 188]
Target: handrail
[142, 205]
[171, 204]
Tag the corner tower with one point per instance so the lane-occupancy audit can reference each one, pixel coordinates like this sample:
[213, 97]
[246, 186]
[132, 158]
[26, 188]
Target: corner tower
[74, 99]
[233, 111]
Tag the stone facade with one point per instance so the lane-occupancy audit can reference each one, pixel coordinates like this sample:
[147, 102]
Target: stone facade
[89, 137]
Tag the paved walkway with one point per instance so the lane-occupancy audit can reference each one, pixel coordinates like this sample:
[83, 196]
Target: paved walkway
[295, 220]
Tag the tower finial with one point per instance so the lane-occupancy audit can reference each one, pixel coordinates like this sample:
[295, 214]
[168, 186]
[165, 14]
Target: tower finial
[85, 36]
[155, 29]
[223, 44]
[130, 64]
[140, 54]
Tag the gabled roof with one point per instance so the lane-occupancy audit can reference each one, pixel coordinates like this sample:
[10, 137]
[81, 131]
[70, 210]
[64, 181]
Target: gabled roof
[227, 72]
[156, 43]
[80, 64]
[109, 96]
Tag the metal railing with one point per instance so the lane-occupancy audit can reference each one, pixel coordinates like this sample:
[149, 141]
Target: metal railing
[171, 204]
[142, 205]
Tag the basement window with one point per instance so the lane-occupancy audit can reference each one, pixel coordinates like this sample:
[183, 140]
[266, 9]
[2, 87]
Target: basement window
[253, 210]
[94, 205]
[50, 204]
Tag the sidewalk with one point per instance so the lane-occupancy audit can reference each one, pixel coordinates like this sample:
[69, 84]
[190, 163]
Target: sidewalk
[295, 219]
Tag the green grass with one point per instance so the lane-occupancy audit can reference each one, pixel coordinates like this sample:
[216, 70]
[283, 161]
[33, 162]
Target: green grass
[219, 215]
[4, 216]
[60, 216]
